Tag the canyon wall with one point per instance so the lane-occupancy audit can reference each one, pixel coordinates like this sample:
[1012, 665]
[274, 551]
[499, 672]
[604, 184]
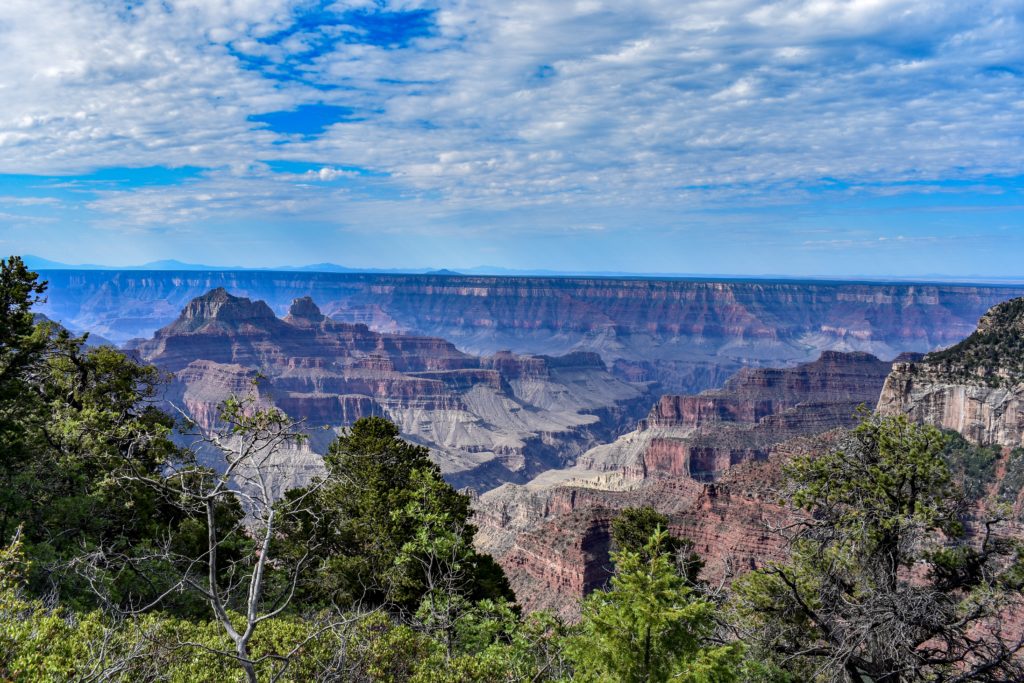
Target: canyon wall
[688, 335]
[553, 541]
[710, 462]
[981, 413]
[701, 436]
[489, 420]
[975, 387]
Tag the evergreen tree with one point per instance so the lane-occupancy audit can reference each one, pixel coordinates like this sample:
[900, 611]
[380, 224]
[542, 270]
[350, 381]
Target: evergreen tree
[369, 515]
[650, 626]
[72, 421]
[885, 583]
[633, 528]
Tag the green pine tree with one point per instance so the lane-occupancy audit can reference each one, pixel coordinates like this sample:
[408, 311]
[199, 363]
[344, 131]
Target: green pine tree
[650, 626]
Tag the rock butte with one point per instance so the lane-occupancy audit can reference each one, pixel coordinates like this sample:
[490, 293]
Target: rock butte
[504, 417]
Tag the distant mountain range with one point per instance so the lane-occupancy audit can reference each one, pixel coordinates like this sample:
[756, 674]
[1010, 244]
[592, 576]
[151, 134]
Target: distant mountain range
[39, 263]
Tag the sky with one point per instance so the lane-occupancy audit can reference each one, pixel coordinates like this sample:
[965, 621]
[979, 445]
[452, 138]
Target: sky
[792, 137]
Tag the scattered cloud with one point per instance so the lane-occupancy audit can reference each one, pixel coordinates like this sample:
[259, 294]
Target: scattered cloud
[28, 201]
[461, 111]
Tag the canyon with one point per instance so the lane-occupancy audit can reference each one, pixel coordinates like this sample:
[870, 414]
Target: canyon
[685, 334]
[713, 462]
[487, 420]
[710, 462]
[559, 402]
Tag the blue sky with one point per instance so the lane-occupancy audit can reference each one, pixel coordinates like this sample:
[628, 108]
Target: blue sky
[799, 137]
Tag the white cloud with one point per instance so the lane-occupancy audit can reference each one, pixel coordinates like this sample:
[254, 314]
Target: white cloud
[328, 174]
[523, 104]
[28, 201]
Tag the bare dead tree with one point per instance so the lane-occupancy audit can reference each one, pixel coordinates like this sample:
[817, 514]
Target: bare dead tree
[248, 439]
[230, 485]
[442, 561]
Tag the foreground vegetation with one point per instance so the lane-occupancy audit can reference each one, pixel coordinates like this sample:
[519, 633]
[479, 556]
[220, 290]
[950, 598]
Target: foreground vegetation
[138, 548]
[993, 354]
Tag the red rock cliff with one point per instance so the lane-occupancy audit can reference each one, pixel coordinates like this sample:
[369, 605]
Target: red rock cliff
[488, 420]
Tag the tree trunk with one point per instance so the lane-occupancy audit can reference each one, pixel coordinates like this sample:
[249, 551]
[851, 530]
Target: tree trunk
[242, 650]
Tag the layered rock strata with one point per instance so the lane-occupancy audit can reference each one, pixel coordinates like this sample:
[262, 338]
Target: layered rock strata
[975, 387]
[487, 420]
[554, 542]
[709, 461]
[703, 435]
[689, 335]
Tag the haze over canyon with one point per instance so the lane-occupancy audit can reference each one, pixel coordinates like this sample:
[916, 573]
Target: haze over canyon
[558, 401]
[686, 335]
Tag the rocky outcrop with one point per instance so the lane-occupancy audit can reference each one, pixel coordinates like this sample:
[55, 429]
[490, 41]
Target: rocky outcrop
[981, 413]
[217, 312]
[708, 461]
[553, 542]
[487, 420]
[703, 435]
[688, 335]
[975, 387]
[304, 311]
[753, 394]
